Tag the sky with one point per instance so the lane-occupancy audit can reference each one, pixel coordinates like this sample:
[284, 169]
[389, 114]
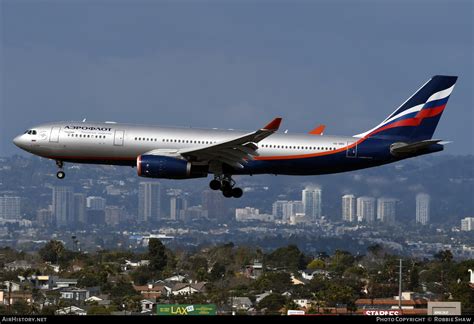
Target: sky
[232, 64]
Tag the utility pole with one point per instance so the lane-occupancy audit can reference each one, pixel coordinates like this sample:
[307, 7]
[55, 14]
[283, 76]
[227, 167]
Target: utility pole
[400, 287]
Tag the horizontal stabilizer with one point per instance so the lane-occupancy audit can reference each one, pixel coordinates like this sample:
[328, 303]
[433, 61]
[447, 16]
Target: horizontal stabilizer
[401, 148]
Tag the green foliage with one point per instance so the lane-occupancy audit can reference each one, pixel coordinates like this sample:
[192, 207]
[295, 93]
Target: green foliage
[98, 310]
[273, 303]
[157, 255]
[141, 275]
[51, 251]
[444, 256]
[275, 281]
[289, 257]
[316, 264]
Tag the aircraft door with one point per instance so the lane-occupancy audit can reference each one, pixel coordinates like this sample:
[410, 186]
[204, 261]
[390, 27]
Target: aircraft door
[54, 137]
[118, 138]
[351, 150]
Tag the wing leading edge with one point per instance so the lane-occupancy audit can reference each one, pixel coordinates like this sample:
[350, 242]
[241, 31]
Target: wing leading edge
[235, 152]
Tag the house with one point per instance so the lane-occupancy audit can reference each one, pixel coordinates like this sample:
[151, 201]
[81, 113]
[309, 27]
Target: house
[295, 281]
[43, 282]
[10, 298]
[11, 285]
[240, 303]
[188, 288]
[101, 300]
[302, 303]
[65, 283]
[130, 265]
[309, 274]
[254, 270]
[147, 305]
[18, 265]
[259, 297]
[151, 291]
[76, 294]
[175, 278]
[71, 310]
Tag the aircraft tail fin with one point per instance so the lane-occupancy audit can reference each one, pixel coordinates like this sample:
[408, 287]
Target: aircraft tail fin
[416, 119]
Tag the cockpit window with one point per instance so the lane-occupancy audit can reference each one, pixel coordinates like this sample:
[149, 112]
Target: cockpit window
[30, 132]
[33, 132]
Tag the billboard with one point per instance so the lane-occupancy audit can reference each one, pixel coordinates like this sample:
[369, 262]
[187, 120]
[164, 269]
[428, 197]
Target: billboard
[186, 309]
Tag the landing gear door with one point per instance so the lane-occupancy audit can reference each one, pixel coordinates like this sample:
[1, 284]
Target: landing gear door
[54, 137]
[118, 139]
[351, 151]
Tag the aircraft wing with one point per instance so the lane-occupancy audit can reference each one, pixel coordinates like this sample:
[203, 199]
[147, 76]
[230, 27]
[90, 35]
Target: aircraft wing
[234, 152]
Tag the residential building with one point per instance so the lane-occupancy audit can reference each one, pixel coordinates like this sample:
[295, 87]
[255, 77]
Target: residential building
[366, 209]
[467, 224]
[214, 205]
[10, 207]
[96, 203]
[178, 206]
[349, 208]
[387, 210]
[80, 208]
[423, 208]
[63, 206]
[251, 214]
[149, 201]
[277, 209]
[311, 198]
[291, 208]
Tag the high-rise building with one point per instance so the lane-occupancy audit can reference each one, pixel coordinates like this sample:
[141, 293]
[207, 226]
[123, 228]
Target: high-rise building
[387, 210]
[178, 206]
[213, 205]
[423, 208]
[96, 203]
[348, 208]
[10, 207]
[277, 209]
[44, 217]
[149, 201]
[63, 206]
[312, 203]
[114, 215]
[366, 209]
[467, 224]
[80, 208]
[291, 208]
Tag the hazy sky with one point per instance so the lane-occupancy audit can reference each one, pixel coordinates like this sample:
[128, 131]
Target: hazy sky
[232, 64]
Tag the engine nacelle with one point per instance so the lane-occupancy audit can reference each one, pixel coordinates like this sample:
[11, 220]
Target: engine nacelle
[166, 167]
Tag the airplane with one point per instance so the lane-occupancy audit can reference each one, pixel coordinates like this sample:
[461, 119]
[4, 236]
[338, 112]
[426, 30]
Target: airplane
[184, 153]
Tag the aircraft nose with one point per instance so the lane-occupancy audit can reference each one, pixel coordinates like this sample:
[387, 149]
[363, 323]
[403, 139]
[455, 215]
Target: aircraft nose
[18, 141]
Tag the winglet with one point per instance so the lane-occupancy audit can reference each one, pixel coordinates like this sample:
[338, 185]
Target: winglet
[318, 130]
[273, 125]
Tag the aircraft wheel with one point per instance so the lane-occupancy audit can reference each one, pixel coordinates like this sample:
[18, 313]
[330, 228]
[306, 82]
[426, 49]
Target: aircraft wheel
[60, 175]
[215, 185]
[227, 193]
[237, 192]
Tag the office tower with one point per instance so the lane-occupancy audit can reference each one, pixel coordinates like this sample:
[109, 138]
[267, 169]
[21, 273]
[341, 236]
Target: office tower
[387, 210]
[80, 208]
[213, 205]
[312, 203]
[348, 208]
[44, 217]
[10, 207]
[277, 209]
[467, 224]
[366, 209]
[149, 201]
[178, 206]
[423, 208]
[114, 215]
[95, 203]
[63, 206]
[291, 208]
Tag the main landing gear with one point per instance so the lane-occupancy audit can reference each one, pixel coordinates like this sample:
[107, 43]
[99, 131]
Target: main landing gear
[60, 174]
[226, 185]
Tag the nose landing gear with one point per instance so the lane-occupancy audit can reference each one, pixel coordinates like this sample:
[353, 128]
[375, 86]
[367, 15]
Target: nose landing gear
[226, 185]
[60, 174]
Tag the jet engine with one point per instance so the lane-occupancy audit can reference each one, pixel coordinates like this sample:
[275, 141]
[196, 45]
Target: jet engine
[166, 167]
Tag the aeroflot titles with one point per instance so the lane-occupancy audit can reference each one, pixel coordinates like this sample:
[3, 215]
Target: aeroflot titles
[105, 129]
